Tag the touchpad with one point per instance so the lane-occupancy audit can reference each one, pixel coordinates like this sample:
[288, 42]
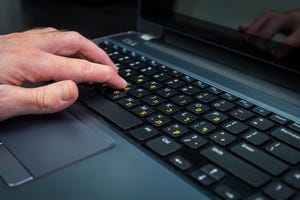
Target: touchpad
[46, 143]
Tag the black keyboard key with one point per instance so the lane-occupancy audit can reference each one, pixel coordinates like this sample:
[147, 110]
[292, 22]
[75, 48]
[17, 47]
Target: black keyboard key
[190, 90]
[130, 86]
[202, 178]
[164, 68]
[194, 141]
[124, 60]
[139, 92]
[142, 110]
[213, 172]
[198, 108]
[214, 90]
[175, 130]
[115, 94]
[152, 85]
[181, 100]
[143, 133]
[153, 100]
[129, 102]
[168, 108]
[293, 179]
[115, 47]
[229, 97]
[203, 127]
[114, 55]
[261, 111]
[125, 51]
[127, 73]
[240, 168]
[200, 84]
[279, 119]
[187, 79]
[148, 71]
[206, 97]
[133, 54]
[262, 124]
[180, 162]
[158, 120]
[284, 152]
[163, 145]
[175, 83]
[162, 76]
[260, 159]
[104, 45]
[108, 109]
[175, 73]
[185, 117]
[142, 58]
[235, 127]
[226, 193]
[278, 191]
[139, 79]
[255, 137]
[223, 105]
[241, 114]
[295, 127]
[244, 104]
[167, 92]
[288, 136]
[216, 117]
[222, 138]
[136, 65]
[153, 63]
[257, 197]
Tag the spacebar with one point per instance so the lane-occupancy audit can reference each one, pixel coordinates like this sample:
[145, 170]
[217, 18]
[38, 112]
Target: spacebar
[107, 109]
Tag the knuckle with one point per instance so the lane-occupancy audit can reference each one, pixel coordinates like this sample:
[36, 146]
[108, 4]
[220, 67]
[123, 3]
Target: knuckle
[43, 100]
[50, 35]
[85, 68]
[49, 29]
[73, 35]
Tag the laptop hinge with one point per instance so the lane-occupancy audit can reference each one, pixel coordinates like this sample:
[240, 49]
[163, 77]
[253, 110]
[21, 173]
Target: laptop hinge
[147, 37]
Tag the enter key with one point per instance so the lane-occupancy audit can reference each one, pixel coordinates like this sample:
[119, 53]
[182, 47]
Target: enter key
[259, 158]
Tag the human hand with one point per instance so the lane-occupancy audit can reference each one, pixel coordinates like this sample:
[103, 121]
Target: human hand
[269, 24]
[39, 55]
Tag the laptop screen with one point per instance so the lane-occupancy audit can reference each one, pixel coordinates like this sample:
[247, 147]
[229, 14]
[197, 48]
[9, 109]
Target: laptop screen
[268, 30]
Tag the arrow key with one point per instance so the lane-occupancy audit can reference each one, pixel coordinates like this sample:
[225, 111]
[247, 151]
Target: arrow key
[180, 162]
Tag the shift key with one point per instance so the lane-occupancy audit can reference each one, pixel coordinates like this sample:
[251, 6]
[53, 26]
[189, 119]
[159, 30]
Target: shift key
[236, 166]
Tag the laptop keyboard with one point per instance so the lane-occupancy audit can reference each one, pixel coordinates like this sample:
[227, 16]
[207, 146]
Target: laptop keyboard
[223, 144]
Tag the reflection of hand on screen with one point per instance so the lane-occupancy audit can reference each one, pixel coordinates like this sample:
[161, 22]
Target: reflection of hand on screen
[271, 23]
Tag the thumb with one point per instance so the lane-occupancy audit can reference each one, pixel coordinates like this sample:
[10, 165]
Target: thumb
[51, 98]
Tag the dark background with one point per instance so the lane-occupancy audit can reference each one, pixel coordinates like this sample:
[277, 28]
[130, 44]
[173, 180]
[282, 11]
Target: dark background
[92, 18]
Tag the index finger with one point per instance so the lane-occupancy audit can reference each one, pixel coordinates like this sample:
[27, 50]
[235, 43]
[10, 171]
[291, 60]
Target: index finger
[68, 43]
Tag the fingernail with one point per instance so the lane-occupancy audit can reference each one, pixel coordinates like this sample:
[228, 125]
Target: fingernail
[65, 93]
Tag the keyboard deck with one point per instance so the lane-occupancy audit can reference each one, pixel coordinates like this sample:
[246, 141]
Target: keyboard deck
[219, 142]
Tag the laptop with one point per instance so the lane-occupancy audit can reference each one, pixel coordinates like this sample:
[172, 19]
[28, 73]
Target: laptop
[206, 115]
